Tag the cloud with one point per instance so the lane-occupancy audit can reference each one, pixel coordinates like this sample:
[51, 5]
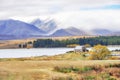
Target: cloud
[108, 19]
[80, 13]
[41, 7]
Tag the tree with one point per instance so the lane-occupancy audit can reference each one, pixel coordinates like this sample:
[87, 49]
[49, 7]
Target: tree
[87, 45]
[20, 46]
[99, 52]
[72, 45]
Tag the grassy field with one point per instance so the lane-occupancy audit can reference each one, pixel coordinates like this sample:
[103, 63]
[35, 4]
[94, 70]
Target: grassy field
[14, 43]
[60, 70]
[69, 66]
[66, 56]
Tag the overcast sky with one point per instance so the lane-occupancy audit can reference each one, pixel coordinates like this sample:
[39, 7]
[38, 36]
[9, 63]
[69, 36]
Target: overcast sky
[83, 14]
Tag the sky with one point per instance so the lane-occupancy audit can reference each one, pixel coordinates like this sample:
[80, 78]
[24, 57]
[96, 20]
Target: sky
[83, 14]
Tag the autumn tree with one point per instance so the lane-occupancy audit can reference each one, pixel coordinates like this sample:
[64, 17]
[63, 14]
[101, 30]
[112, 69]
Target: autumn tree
[87, 45]
[99, 52]
[72, 45]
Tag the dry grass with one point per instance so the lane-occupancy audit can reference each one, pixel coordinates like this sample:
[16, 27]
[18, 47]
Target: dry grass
[67, 56]
[14, 43]
[44, 70]
[69, 37]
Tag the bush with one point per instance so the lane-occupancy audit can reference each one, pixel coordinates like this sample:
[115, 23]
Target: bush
[62, 78]
[63, 69]
[111, 79]
[99, 52]
[72, 69]
[89, 78]
[84, 69]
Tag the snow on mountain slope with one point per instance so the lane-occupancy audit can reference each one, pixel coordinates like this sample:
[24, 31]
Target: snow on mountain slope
[18, 29]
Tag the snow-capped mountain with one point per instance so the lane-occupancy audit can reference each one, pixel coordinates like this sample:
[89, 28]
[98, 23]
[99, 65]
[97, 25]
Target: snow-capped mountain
[76, 31]
[117, 33]
[101, 32]
[37, 22]
[47, 26]
[18, 29]
[61, 32]
[14, 29]
[72, 31]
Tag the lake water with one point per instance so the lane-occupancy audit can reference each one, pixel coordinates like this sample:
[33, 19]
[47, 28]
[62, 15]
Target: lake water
[16, 53]
[111, 48]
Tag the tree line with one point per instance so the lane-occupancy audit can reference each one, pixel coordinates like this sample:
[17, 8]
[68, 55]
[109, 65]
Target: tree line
[103, 40]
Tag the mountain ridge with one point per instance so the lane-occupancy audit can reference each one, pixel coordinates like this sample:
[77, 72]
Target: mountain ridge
[71, 31]
[47, 26]
[18, 29]
[15, 29]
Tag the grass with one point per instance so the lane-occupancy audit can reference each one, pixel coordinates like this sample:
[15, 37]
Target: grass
[6, 44]
[67, 56]
[12, 44]
[70, 70]
[69, 66]
[101, 71]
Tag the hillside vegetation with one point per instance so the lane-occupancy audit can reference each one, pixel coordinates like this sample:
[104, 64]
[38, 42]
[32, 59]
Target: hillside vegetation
[68, 66]
[61, 41]
[15, 43]
[103, 40]
[60, 70]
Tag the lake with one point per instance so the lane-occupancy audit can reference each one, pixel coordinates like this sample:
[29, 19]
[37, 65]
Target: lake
[17, 53]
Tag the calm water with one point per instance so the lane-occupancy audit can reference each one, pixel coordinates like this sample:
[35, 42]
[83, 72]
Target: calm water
[15, 53]
[110, 48]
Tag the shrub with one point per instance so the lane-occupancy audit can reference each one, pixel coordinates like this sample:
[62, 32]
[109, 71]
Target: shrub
[73, 69]
[111, 79]
[62, 78]
[84, 69]
[63, 69]
[99, 52]
[89, 78]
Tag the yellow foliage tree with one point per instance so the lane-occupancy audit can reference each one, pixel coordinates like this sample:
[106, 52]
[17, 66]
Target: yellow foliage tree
[72, 45]
[87, 45]
[99, 52]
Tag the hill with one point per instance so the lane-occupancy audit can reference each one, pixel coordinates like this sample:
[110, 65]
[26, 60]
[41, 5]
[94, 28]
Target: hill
[14, 29]
[72, 31]
[101, 32]
[47, 26]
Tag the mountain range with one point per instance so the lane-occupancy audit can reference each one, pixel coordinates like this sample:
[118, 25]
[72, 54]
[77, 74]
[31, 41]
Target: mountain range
[71, 31]
[101, 32]
[47, 26]
[15, 29]
[18, 29]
